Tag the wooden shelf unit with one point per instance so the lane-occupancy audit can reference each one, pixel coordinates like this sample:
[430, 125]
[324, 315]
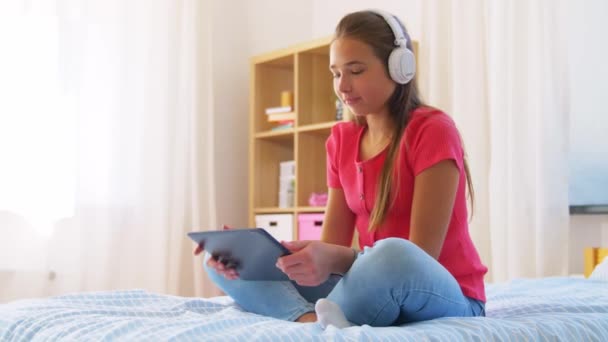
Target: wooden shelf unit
[302, 69]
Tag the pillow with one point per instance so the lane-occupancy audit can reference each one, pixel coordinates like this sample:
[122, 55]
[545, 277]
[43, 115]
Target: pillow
[601, 271]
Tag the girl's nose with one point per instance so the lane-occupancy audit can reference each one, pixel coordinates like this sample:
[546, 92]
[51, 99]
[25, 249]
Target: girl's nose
[344, 85]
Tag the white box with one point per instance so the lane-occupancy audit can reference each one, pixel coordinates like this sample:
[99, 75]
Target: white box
[287, 169]
[280, 226]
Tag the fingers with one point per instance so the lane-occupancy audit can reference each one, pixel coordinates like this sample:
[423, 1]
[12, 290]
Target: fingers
[226, 268]
[228, 272]
[297, 270]
[231, 275]
[199, 249]
[305, 276]
[294, 246]
[288, 261]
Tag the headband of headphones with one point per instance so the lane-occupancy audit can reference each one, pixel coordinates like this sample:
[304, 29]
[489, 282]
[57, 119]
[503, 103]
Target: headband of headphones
[393, 23]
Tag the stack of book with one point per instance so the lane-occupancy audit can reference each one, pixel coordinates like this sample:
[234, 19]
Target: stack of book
[283, 115]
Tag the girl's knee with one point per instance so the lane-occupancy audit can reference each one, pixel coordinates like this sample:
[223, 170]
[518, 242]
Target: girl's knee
[393, 243]
[392, 254]
[393, 248]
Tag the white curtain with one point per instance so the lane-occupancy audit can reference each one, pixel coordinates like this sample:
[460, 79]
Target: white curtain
[106, 141]
[453, 77]
[529, 135]
[498, 67]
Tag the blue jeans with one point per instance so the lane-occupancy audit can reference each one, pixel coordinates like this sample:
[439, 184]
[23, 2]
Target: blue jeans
[392, 283]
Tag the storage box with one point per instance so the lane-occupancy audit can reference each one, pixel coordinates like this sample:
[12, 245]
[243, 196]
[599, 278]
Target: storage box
[280, 226]
[310, 226]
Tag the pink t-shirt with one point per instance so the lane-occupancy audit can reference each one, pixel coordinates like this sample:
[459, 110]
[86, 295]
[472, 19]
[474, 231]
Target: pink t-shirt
[431, 136]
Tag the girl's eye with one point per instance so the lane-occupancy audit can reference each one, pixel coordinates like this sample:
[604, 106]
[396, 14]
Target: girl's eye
[353, 72]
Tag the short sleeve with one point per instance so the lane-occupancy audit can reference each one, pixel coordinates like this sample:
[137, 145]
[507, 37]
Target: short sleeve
[332, 145]
[434, 140]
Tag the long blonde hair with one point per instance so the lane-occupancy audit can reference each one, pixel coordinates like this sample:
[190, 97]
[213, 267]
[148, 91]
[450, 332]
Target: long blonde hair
[371, 29]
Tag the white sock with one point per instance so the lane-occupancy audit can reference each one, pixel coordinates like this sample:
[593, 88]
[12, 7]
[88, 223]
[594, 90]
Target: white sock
[329, 313]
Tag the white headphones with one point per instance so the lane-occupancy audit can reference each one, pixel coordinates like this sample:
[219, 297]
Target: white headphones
[401, 61]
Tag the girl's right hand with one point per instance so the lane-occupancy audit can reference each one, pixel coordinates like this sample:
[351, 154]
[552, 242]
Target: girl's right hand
[221, 268]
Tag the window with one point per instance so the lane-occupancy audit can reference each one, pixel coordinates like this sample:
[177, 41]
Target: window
[37, 123]
[588, 77]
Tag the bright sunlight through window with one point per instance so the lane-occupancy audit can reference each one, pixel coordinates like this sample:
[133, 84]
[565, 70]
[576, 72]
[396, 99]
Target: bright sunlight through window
[37, 124]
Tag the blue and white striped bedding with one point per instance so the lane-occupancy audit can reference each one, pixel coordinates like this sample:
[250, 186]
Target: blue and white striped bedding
[550, 309]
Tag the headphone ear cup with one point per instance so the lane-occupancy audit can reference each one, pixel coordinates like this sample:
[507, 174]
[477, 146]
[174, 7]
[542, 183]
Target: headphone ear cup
[402, 65]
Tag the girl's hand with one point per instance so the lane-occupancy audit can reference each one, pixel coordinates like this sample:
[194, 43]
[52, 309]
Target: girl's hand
[311, 261]
[223, 267]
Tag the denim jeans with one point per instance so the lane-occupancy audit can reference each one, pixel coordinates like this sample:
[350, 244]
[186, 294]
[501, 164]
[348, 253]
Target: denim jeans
[392, 283]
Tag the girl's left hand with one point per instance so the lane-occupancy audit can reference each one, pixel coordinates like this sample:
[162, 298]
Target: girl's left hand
[310, 263]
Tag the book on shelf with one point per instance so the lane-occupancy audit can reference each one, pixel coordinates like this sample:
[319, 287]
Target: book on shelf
[282, 126]
[281, 117]
[282, 109]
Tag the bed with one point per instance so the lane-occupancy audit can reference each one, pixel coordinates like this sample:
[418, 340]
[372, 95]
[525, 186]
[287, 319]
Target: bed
[548, 309]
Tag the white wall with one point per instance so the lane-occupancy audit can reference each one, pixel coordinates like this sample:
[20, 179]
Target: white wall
[326, 14]
[275, 24]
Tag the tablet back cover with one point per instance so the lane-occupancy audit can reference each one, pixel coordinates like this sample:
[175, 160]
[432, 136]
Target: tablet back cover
[254, 249]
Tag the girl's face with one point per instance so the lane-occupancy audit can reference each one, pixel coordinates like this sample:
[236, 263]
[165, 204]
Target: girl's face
[360, 78]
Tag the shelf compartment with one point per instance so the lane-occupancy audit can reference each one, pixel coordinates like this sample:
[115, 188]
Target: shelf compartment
[316, 101]
[311, 165]
[268, 153]
[269, 80]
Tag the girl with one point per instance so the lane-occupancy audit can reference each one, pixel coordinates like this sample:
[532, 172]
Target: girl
[398, 174]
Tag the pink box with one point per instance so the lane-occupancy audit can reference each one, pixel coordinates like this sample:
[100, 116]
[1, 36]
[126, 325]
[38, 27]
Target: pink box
[310, 226]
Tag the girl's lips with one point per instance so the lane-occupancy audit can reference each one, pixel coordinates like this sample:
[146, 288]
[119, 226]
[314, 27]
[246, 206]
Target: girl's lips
[352, 100]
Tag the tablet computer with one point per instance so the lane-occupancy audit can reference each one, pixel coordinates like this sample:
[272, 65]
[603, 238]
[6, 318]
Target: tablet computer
[253, 252]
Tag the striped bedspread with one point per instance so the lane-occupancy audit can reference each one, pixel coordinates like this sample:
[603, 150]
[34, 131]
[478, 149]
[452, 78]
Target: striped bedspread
[549, 309]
